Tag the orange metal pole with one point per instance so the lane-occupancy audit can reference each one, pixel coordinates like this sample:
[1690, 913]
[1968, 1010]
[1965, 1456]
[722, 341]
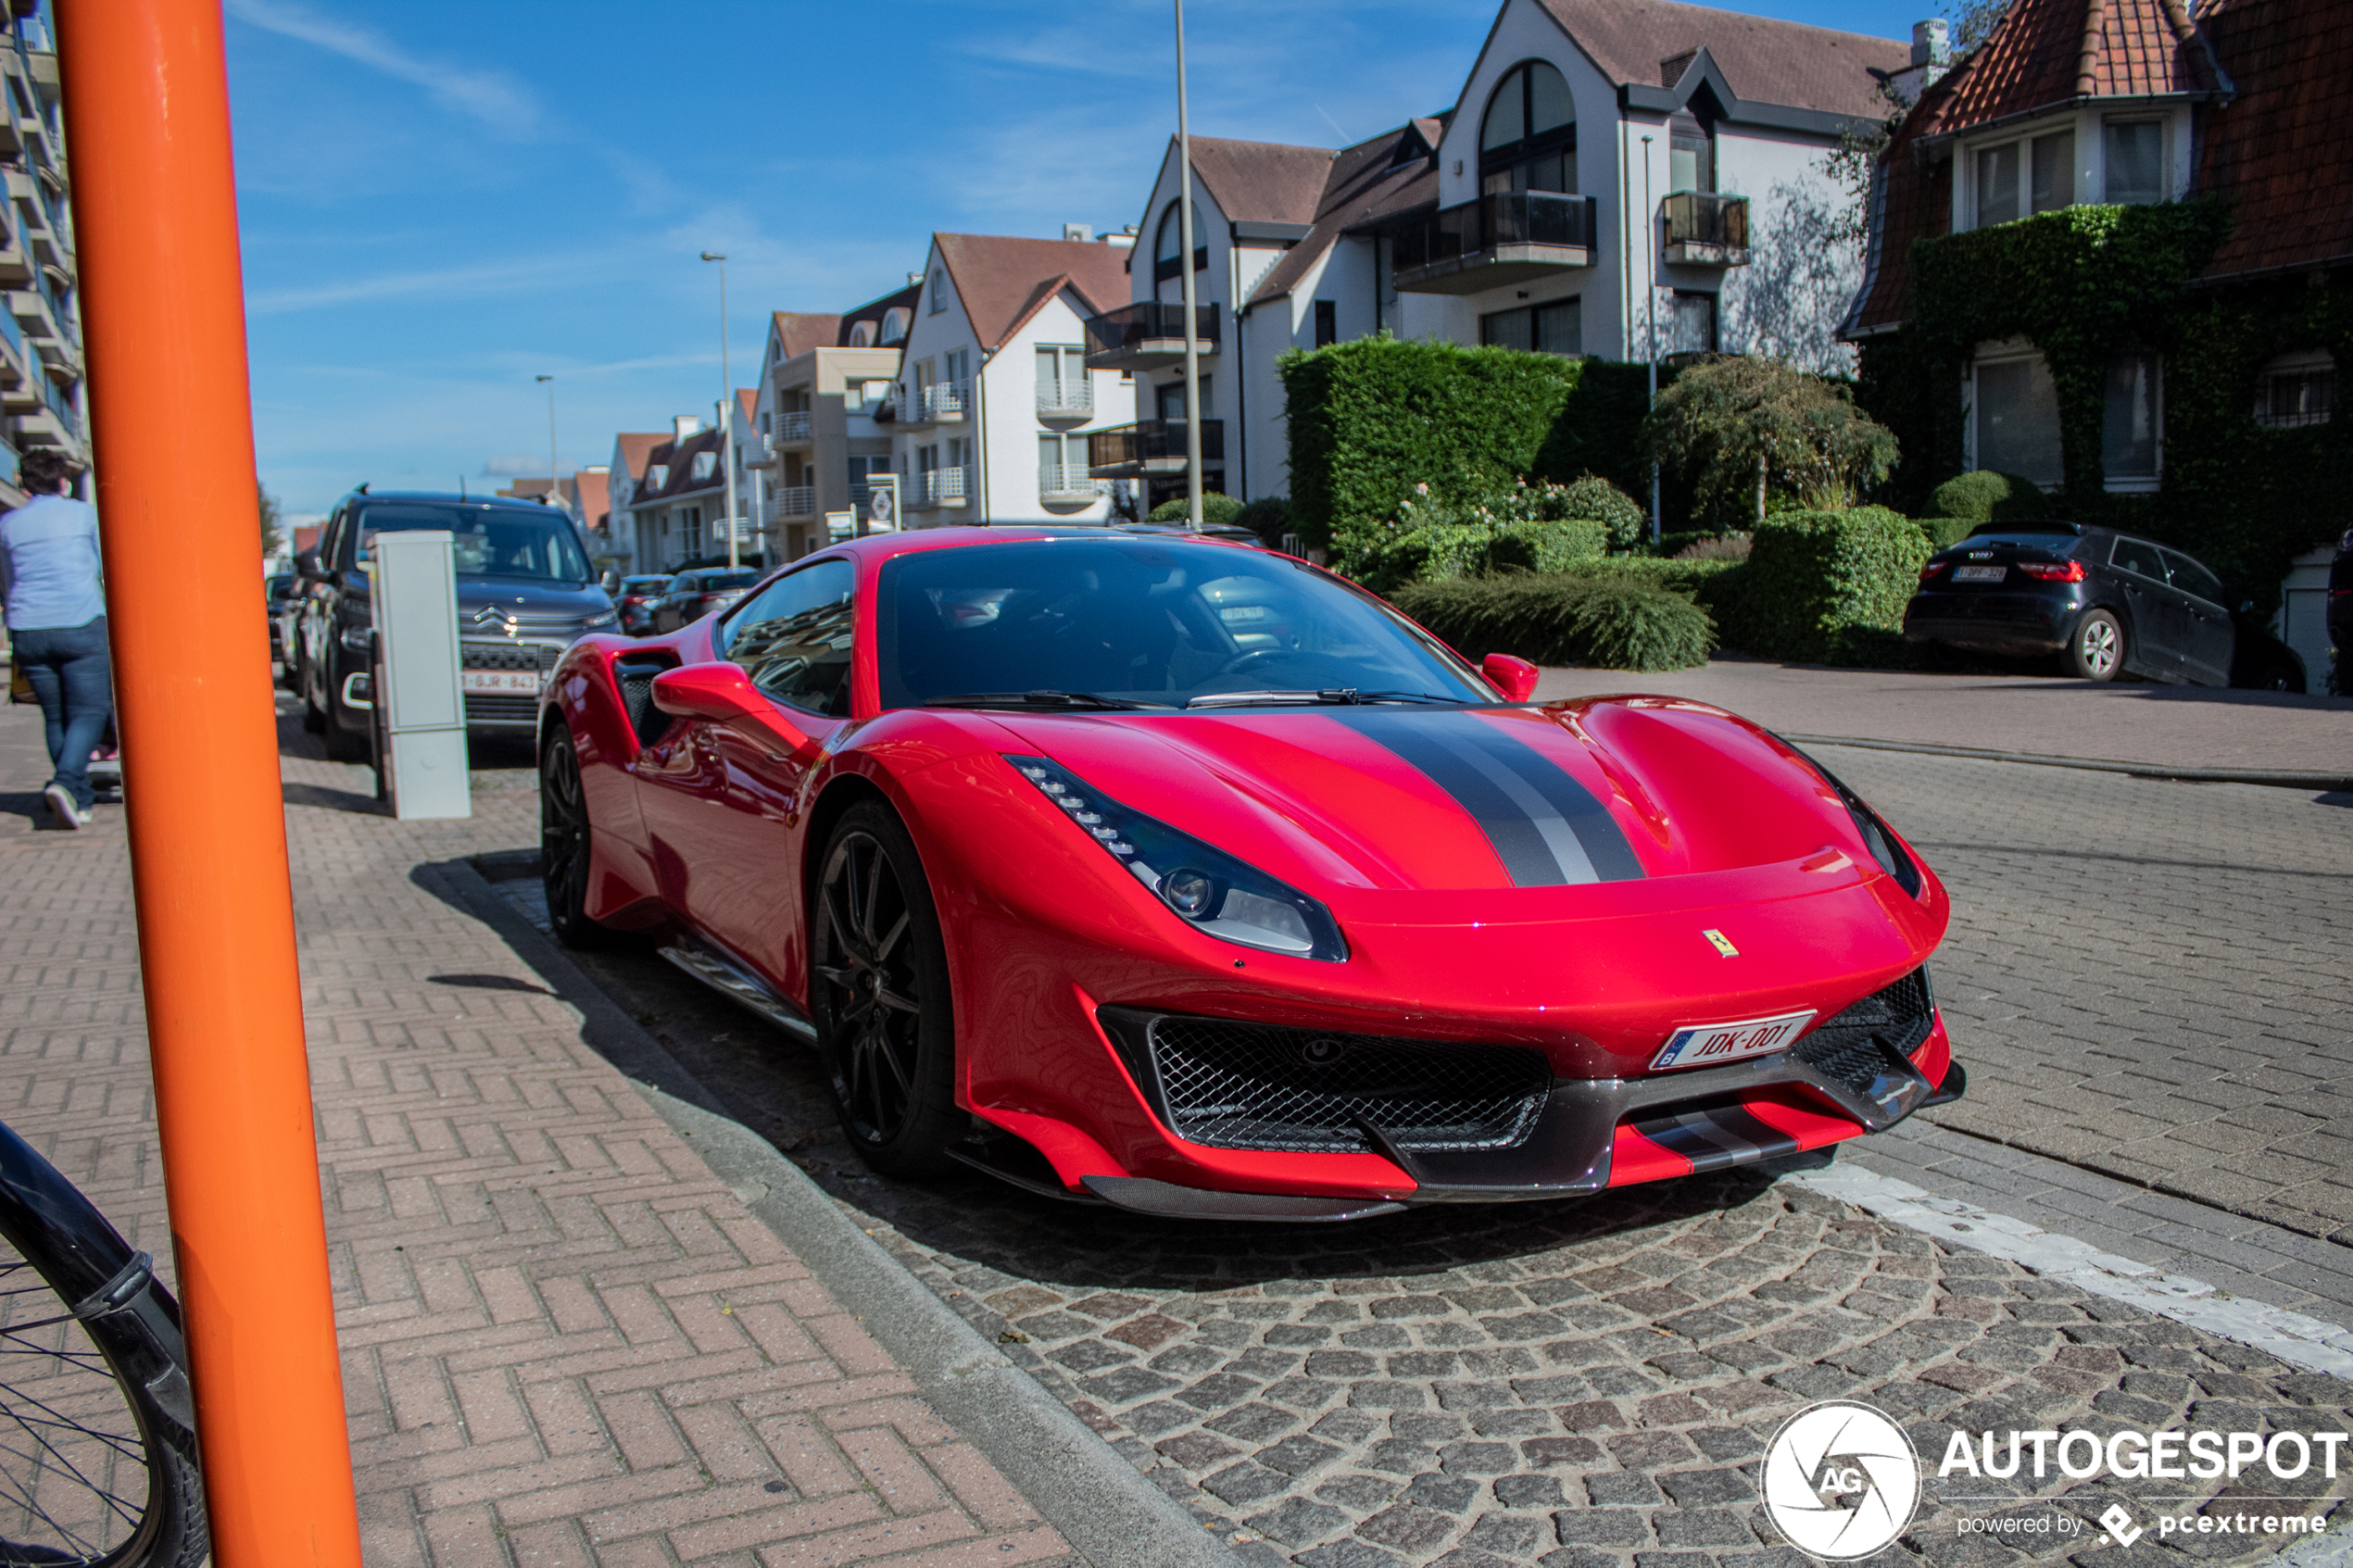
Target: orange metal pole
[147, 100]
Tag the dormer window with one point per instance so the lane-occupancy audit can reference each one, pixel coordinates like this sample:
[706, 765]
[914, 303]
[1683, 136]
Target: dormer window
[894, 324]
[704, 463]
[2019, 179]
[2135, 156]
[657, 476]
[862, 334]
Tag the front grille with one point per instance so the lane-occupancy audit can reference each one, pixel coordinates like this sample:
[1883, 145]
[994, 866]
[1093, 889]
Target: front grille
[1848, 1049]
[541, 657]
[502, 708]
[1245, 1085]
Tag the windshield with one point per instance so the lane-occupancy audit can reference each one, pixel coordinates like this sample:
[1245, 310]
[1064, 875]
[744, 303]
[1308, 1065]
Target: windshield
[711, 580]
[643, 585]
[490, 541]
[1147, 622]
[2054, 540]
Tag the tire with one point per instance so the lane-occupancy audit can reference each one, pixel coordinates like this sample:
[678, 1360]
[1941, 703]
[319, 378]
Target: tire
[566, 846]
[879, 995]
[343, 745]
[2096, 649]
[314, 717]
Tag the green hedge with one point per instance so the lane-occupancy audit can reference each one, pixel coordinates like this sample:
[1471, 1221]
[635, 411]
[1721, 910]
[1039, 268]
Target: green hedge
[1216, 510]
[1619, 621]
[1821, 587]
[1441, 551]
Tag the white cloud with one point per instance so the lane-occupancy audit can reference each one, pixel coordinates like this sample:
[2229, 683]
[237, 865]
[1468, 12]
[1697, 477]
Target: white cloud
[495, 97]
[493, 278]
[509, 465]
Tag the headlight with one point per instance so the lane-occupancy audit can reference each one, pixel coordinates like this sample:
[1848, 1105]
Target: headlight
[1204, 886]
[1876, 837]
[609, 618]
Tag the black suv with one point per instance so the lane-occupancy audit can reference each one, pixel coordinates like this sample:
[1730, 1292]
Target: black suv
[526, 593]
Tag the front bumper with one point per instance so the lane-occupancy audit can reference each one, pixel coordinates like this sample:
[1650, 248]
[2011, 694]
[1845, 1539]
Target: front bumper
[508, 712]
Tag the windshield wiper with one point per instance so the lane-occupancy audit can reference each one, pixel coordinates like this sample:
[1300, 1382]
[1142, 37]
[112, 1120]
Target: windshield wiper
[1030, 700]
[1338, 696]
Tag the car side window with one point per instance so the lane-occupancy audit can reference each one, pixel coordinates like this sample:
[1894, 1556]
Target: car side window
[793, 637]
[2191, 578]
[2139, 557]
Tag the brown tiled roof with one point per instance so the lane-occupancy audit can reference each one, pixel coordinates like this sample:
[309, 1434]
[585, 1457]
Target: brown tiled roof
[1002, 281]
[1261, 182]
[591, 495]
[1366, 182]
[2045, 53]
[1911, 199]
[747, 403]
[636, 451]
[1763, 60]
[2278, 152]
[800, 330]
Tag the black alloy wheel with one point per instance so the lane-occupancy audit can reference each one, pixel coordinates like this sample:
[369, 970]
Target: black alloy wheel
[314, 717]
[2097, 650]
[565, 846]
[342, 745]
[878, 985]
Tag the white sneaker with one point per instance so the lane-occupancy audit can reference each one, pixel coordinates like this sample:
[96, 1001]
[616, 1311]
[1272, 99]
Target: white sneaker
[62, 810]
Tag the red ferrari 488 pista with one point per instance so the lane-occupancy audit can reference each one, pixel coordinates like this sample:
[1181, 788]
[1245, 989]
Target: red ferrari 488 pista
[1141, 868]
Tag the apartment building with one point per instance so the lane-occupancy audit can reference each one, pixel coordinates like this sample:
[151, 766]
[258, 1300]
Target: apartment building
[1620, 178]
[677, 503]
[40, 357]
[813, 436]
[996, 409]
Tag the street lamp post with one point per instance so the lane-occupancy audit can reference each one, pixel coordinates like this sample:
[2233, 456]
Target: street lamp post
[1650, 291]
[1185, 270]
[555, 482]
[726, 405]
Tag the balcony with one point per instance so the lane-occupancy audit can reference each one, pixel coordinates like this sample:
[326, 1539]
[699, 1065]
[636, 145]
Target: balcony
[1066, 484]
[795, 426]
[1706, 229]
[940, 488]
[918, 408]
[1148, 337]
[1499, 240]
[797, 501]
[1150, 446]
[1067, 399]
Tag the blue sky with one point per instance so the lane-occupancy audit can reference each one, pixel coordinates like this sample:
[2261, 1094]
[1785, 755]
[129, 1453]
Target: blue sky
[441, 200]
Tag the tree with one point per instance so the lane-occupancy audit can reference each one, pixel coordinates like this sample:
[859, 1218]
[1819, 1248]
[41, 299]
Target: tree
[1735, 423]
[273, 535]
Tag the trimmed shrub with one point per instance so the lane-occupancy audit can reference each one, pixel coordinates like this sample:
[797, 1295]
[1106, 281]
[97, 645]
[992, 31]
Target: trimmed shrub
[1958, 505]
[1269, 517]
[1721, 546]
[1215, 509]
[1612, 622]
[1521, 528]
[1688, 577]
[1822, 587]
[1598, 499]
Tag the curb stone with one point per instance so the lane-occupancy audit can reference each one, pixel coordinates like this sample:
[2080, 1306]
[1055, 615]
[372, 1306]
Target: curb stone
[2330, 783]
[1106, 1509]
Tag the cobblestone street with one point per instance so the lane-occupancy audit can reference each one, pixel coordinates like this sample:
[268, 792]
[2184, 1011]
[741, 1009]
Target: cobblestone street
[1581, 1384]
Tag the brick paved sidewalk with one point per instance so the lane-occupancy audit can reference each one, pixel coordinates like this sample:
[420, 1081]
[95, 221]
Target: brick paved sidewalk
[564, 1340]
[2166, 726]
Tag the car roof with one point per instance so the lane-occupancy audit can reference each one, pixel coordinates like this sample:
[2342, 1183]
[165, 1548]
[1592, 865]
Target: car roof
[879, 547]
[451, 498]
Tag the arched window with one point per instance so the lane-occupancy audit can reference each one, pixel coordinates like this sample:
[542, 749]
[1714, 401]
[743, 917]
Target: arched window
[1529, 140]
[862, 334]
[894, 324]
[1171, 243]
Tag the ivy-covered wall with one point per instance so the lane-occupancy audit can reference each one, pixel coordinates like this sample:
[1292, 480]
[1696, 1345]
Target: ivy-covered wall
[1371, 419]
[2084, 285]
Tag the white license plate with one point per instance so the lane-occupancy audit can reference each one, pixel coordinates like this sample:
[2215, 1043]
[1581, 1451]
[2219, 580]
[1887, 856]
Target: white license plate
[1704, 1045]
[526, 681]
[1980, 573]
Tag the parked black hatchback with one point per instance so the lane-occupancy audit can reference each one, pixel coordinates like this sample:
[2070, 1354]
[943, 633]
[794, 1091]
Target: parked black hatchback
[2104, 603]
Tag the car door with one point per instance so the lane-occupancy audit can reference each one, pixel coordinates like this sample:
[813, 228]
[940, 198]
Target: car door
[724, 811]
[2159, 623]
[2212, 639]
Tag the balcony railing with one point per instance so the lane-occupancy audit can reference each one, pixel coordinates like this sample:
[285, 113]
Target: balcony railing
[1706, 229]
[1504, 238]
[795, 428]
[1147, 336]
[797, 501]
[1150, 446]
[941, 487]
[1073, 399]
[1068, 482]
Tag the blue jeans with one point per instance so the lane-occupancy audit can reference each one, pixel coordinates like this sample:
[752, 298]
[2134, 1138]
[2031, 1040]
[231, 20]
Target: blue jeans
[73, 677]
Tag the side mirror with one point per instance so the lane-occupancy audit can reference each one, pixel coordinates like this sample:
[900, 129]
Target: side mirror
[722, 693]
[306, 566]
[609, 582]
[1515, 678]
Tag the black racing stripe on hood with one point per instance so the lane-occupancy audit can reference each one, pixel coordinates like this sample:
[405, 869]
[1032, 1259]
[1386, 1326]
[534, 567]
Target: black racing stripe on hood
[1545, 827]
[1727, 1135]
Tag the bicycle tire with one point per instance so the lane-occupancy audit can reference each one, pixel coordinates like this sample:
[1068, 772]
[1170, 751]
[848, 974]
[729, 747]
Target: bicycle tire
[99, 1458]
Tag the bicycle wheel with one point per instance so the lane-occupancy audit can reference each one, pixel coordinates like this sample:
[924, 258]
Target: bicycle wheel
[97, 1441]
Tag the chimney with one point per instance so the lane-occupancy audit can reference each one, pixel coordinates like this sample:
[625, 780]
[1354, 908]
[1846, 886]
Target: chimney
[1083, 233]
[683, 426]
[1933, 43]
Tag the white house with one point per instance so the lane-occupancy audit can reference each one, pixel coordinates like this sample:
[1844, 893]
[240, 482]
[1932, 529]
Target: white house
[996, 415]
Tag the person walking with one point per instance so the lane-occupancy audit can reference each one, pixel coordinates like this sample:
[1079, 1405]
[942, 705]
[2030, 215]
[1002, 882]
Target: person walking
[57, 614]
